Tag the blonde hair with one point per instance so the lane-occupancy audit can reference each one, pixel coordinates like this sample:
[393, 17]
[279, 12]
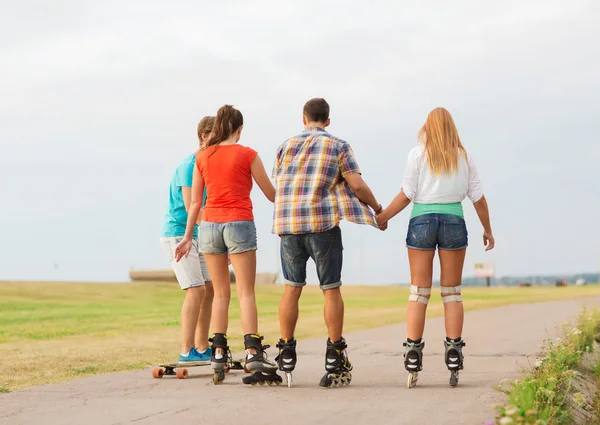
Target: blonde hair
[205, 126]
[442, 144]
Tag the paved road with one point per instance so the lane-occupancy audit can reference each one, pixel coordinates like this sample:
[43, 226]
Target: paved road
[498, 341]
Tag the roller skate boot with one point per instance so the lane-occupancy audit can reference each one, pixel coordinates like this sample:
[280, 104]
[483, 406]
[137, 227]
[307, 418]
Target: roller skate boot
[454, 358]
[263, 371]
[337, 365]
[218, 357]
[413, 360]
[286, 360]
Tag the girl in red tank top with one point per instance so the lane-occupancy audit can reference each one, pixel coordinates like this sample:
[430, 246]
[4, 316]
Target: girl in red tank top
[227, 229]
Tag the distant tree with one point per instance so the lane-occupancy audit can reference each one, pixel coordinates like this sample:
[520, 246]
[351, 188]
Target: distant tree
[231, 276]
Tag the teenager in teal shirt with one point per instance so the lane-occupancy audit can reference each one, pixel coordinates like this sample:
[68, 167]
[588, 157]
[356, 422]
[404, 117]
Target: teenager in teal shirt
[191, 272]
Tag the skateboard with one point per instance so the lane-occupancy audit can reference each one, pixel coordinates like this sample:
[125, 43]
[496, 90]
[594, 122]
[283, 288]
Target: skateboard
[180, 371]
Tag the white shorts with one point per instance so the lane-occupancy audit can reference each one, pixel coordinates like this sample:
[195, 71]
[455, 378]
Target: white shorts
[190, 271]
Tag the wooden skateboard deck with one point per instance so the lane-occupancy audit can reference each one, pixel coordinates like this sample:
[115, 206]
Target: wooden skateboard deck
[179, 369]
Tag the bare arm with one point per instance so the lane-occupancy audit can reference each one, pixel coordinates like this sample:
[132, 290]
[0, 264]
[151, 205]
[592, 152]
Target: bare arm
[481, 207]
[187, 200]
[362, 191]
[196, 202]
[262, 179]
[400, 202]
[186, 191]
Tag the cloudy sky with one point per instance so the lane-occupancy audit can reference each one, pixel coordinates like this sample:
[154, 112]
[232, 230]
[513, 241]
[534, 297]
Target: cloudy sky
[100, 102]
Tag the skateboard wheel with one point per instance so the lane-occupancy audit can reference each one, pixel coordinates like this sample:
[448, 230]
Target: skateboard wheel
[246, 369]
[226, 370]
[158, 372]
[181, 373]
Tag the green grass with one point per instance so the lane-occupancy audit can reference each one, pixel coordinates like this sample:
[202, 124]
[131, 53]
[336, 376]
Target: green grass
[4, 390]
[85, 370]
[542, 395]
[82, 329]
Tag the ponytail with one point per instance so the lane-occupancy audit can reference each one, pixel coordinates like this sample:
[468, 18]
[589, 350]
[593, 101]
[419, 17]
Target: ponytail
[227, 122]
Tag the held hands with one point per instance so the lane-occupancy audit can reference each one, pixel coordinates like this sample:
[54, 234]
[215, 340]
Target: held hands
[488, 240]
[383, 225]
[183, 249]
[381, 222]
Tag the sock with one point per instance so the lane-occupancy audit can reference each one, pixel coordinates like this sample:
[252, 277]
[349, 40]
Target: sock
[186, 354]
[416, 341]
[453, 340]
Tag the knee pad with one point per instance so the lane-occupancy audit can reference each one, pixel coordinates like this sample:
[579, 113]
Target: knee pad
[455, 290]
[416, 292]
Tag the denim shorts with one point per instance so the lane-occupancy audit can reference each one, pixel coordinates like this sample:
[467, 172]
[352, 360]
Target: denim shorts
[221, 238]
[444, 231]
[325, 248]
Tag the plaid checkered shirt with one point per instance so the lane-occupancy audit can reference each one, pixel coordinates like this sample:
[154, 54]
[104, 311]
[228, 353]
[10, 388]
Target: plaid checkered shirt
[311, 194]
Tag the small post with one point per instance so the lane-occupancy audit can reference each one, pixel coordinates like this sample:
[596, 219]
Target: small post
[488, 281]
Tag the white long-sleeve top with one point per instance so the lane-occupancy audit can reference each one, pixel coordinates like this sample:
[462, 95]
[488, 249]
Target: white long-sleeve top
[422, 186]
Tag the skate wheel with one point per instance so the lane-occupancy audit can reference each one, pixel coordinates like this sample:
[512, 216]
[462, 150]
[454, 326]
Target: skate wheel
[218, 378]
[181, 373]
[412, 380]
[453, 379]
[246, 369]
[253, 383]
[226, 370]
[158, 372]
[288, 377]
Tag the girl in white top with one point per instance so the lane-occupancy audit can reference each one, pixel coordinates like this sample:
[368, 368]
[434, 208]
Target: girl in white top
[439, 176]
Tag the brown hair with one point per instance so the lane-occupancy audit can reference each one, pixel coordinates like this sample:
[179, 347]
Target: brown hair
[316, 110]
[205, 126]
[227, 122]
[442, 144]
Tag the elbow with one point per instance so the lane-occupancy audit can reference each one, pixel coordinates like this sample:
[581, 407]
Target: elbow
[480, 201]
[194, 207]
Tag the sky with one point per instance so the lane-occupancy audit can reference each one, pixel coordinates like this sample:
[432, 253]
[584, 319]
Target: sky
[100, 102]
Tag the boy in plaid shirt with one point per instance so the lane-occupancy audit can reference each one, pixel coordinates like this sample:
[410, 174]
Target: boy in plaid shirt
[318, 183]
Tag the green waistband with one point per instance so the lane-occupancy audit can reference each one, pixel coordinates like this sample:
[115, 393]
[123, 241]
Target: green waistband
[450, 209]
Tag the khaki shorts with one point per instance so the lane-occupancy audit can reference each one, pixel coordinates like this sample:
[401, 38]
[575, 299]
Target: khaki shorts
[190, 271]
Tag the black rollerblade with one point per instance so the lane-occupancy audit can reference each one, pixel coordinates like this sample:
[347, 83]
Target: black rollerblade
[454, 358]
[263, 371]
[286, 360]
[219, 357]
[337, 365]
[413, 360]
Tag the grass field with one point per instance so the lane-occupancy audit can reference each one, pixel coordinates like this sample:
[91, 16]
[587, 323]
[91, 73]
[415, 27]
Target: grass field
[51, 332]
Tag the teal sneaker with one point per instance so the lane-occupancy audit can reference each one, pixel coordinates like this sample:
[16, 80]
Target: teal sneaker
[206, 353]
[193, 356]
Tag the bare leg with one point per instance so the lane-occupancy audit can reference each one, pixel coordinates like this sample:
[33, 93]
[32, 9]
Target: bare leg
[244, 265]
[334, 313]
[203, 326]
[189, 316]
[421, 275]
[451, 263]
[219, 271]
[288, 310]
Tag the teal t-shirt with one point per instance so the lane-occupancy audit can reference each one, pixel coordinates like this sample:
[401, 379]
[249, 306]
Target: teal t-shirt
[176, 215]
